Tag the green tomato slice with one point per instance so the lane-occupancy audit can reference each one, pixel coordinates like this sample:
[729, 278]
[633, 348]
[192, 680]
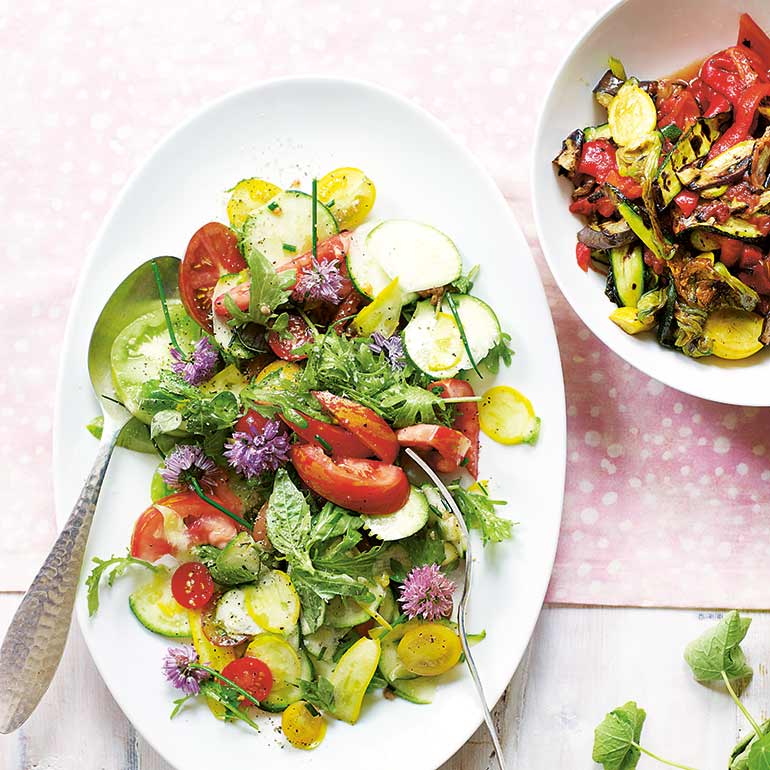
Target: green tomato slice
[142, 350]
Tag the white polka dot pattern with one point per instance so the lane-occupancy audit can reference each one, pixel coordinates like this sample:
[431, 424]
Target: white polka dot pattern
[666, 497]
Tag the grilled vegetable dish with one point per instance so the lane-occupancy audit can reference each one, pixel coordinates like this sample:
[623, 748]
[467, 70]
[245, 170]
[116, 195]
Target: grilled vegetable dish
[674, 190]
[286, 539]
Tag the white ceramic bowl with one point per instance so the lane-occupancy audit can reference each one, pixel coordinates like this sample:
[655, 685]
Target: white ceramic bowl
[653, 38]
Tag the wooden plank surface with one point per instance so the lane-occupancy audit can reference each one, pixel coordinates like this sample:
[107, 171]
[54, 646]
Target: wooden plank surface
[581, 663]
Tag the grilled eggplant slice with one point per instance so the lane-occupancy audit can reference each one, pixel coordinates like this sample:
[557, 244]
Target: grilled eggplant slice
[606, 236]
[760, 162]
[727, 167]
[607, 88]
[569, 157]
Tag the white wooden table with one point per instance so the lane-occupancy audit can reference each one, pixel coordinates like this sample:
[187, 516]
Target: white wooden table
[581, 663]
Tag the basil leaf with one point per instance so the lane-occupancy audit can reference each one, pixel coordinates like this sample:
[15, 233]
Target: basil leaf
[319, 694]
[289, 522]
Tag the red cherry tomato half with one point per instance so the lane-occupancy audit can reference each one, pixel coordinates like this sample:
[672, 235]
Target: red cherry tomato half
[298, 333]
[466, 418]
[191, 585]
[367, 426]
[450, 444]
[250, 674]
[365, 486]
[324, 434]
[212, 252]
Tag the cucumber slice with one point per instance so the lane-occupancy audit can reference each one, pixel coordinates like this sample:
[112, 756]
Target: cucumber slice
[287, 220]
[323, 643]
[388, 608]
[420, 256]
[433, 343]
[344, 612]
[366, 273]
[286, 666]
[411, 518]
[142, 350]
[157, 610]
[273, 603]
[224, 335]
[232, 614]
[420, 690]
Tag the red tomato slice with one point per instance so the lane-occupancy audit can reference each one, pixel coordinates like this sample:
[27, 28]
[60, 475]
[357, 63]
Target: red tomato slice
[451, 445]
[366, 425]
[191, 585]
[365, 486]
[240, 294]
[342, 443]
[300, 334]
[203, 523]
[252, 419]
[466, 418]
[332, 249]
[250, 674]
[212, 252]
[752, 36]
[346, 311]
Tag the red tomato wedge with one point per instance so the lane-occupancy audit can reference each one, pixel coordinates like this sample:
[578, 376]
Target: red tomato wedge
[212, 252]
[202, 524]
[752, 36]
[451, 445]
[334, 248]
[466, 418]
[250, 674]
[342, 443]
[299, 334]
[366, 425]
[191, 585]
[365, 486]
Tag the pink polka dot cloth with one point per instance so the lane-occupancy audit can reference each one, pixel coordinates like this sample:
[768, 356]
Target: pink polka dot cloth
[666, 500]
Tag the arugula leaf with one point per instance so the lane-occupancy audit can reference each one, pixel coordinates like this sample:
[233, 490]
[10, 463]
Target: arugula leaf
[289, 521]
[501, 351]
[327, 585]
[207, 416]
[229, 697]
[465, 282]
[478, 509]
[358, 565]
[717, 651]
[319, 694]
[759, 754]
[118, 565]
[616, 739]
[269, 289]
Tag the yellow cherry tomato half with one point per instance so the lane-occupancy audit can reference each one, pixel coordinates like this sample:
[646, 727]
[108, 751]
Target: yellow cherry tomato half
[507, 416]
[349, 194]
[430, 649]
[246, 196]
[287, 370]
[302, 728]
[733, 333]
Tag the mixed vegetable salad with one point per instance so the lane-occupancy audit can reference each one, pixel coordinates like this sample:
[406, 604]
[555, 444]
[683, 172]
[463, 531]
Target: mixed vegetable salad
[287, 538]
[674, 188]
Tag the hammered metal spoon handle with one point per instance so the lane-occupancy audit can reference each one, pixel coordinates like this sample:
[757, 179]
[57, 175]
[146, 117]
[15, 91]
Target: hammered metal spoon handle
[38, 632]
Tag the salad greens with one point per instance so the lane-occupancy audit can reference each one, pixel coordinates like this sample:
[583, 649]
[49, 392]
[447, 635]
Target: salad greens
[288, 540]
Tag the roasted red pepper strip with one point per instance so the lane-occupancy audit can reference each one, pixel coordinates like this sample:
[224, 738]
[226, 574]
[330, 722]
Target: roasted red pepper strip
[752, 36]
[682, 110]
[597, 159]
[732, 71]
[587, 207]
[711, 103]
[687, 201]
[583, 256]
[745, 113]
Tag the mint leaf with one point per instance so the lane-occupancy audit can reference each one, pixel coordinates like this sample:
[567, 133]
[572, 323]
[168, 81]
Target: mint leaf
[718, 650]
[289, 521]
[759, 755]
[616, 739]
[118, 565]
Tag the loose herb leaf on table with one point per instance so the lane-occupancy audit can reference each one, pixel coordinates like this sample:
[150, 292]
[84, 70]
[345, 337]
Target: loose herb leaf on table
[759, 754]
[717, 651]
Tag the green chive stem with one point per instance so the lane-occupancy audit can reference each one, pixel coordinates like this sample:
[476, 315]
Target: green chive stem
[164, 305]
[660, 759]
[203, 496]
[314, 216]
[461, 328]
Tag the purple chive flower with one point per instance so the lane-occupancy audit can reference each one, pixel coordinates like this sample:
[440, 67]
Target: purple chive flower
[187, 461]
[427, 593]
[392, 347]
[256, 450]
[199, 366]
[177, 667]
[321, 282]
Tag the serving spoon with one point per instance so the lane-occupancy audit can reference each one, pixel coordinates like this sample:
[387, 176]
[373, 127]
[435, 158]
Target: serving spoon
[35, 640]
[463, 603]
